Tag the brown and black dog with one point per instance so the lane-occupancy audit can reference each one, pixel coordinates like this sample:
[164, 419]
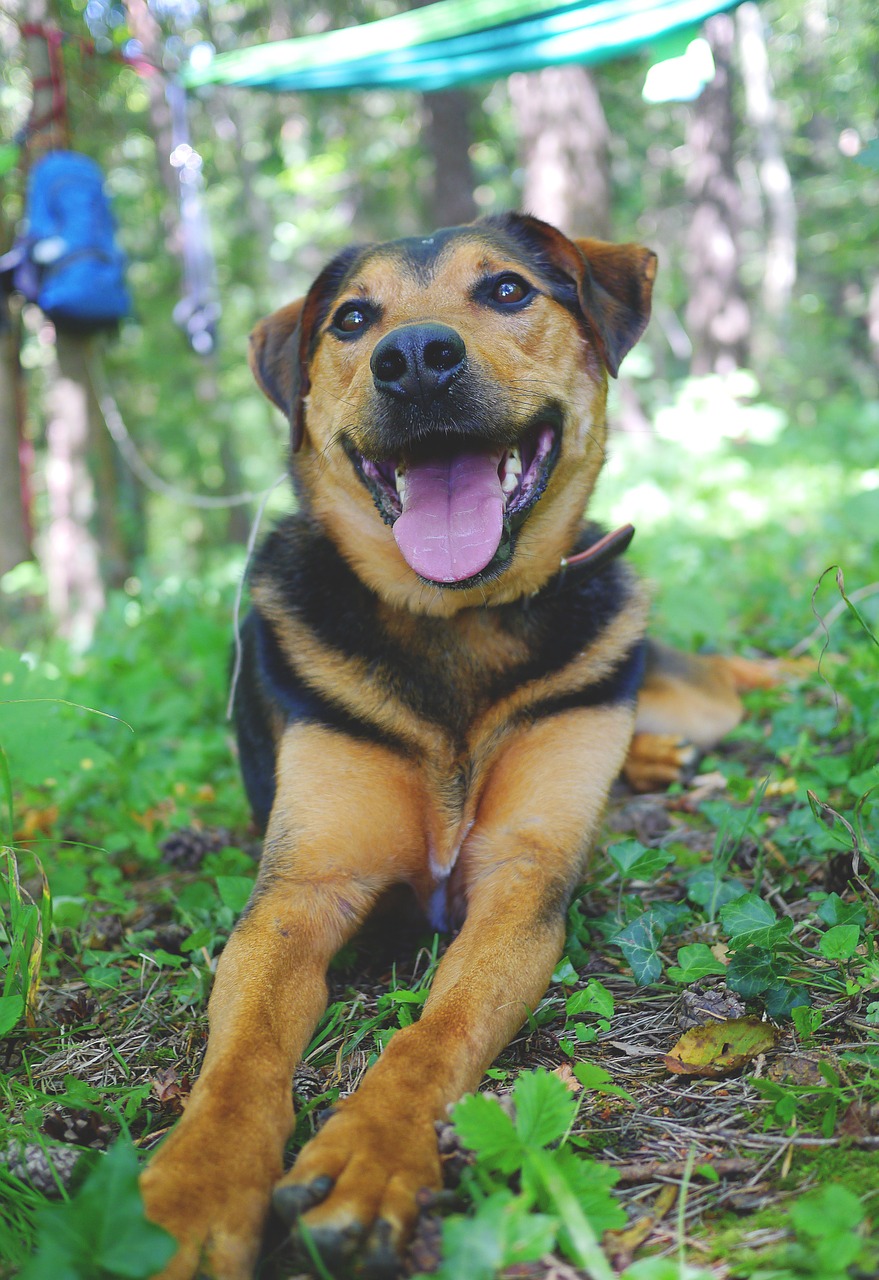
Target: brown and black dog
[443, 672]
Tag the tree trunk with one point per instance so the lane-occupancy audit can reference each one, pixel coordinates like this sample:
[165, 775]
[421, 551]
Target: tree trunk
[14, 514]
[14, 529]
[717, 314]
[76, 593]
[780, 263]
[449, 135]
[564, 147]
[69, 551]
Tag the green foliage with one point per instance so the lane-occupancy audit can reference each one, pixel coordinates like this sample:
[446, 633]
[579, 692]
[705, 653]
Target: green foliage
[828, 1242]
[101, 1234]
[564, 1199]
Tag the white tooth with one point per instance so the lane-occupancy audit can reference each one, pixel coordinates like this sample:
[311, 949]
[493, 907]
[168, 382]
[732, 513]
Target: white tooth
[400, 480]
[513, 463]
[510, 483]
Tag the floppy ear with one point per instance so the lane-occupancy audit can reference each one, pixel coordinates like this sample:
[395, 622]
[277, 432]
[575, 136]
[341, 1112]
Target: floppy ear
[615, 293]
[279, 361]
[614, 285]
[281, 346]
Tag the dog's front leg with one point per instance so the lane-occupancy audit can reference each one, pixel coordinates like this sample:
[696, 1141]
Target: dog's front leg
[346, 817]
[535, 824]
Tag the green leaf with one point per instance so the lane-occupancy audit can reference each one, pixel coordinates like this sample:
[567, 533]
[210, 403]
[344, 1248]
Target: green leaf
[553, 1175]
[234, 891]
[834, 911]
[709, 889]
[544, 1108]
[596, 1078]
[781, 998]
[749, 921]
[594, 998]
[840, 942]
[669, 1269]
[501, 1233]
[752, 970]
[636, 862]
[639, 940]
[484, 1127]
[11, 1010]
[694, 962]
[102, 1233]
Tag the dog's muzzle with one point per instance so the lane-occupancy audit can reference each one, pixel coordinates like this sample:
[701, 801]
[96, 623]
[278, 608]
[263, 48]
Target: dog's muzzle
[458, 487]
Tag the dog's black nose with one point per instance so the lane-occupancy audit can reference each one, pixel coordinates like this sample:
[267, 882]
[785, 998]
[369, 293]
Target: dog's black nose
[417, 361]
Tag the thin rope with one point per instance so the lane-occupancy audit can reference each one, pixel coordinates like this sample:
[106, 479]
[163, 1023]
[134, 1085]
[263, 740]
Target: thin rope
[141, 468]
[236, 612]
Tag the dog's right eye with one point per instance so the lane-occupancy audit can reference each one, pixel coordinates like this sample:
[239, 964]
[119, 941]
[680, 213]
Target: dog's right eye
[351, 318]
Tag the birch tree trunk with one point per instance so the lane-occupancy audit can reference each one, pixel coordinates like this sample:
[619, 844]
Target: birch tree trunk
[69, 551]
[780, 262]
[718, 319]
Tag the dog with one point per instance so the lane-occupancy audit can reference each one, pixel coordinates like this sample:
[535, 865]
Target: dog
[444, 671]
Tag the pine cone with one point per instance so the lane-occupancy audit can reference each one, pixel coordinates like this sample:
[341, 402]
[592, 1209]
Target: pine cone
[42, 1168]
[82, 1128]
[187, 847]
[78, 1008]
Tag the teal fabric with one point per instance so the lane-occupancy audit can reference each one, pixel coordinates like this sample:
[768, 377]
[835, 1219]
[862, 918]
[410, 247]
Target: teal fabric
[456, 41]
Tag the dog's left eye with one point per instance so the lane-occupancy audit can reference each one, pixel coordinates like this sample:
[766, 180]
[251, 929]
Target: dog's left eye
[510, 289]
[351, 318]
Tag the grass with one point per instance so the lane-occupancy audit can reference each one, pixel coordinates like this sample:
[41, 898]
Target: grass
[750, 891]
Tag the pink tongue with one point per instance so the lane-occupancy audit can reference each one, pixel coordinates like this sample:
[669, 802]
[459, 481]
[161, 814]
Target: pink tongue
[453, 516]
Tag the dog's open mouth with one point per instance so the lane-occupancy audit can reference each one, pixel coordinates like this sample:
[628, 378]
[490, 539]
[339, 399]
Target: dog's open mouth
[455, 509]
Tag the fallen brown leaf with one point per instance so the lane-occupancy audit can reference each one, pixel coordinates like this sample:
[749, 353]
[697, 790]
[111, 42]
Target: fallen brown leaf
[719, 1048]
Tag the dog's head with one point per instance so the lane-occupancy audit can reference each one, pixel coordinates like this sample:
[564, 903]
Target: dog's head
[447, 401]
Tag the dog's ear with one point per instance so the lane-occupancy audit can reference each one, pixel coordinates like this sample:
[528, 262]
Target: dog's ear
[614, 282]
[615, 293]
[279, 348]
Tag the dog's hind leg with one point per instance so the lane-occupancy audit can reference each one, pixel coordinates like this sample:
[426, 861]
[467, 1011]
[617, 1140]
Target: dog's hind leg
[687, 703]
[347, 817]
[536, 820]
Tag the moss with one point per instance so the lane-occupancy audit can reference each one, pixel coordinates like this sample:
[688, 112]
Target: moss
[735, 1240]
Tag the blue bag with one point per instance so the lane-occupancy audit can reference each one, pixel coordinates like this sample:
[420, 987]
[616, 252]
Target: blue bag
[71, 242]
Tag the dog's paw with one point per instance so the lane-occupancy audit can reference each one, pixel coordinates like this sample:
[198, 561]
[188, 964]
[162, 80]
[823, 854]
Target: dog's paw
[354, 1188]
[214, 1200]
[656, 760]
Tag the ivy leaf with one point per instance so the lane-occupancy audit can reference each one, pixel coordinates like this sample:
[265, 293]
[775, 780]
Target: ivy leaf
[102, 1233]
[708, 889]
[694, 962]
[780, 999]
[545, 1108]
[484, 1127]
[834, 911]
[749, 921]
[635, 861]
[639, 943]
[840, 942]
[752, 970]
[639, 940]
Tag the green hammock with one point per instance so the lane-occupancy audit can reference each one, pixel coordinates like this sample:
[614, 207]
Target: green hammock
[454, 41]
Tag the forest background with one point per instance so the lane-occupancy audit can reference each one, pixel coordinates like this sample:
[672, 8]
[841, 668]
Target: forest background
[745, 453]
